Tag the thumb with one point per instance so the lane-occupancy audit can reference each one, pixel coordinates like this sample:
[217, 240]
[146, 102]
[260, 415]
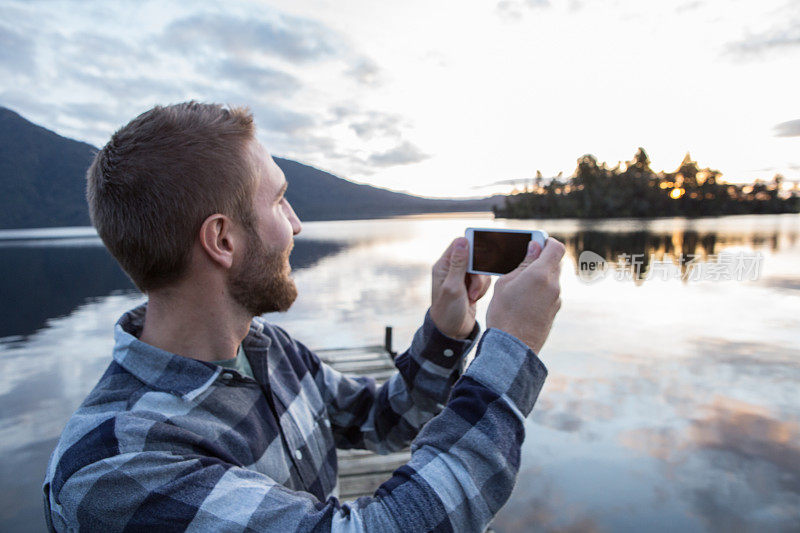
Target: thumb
[534, 251]
[458, 261]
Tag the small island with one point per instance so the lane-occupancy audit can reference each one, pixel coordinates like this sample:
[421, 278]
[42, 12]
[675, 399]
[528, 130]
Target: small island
[635, 190]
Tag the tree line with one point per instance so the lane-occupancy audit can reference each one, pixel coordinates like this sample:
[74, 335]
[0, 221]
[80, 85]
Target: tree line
[635, 190]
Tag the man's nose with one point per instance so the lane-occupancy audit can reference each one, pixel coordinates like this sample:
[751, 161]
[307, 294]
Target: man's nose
[297, 226]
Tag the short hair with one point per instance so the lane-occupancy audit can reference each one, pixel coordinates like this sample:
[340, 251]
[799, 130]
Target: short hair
[160, 176]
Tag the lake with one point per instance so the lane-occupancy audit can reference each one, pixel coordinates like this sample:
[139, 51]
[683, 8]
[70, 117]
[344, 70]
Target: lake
[672, 399]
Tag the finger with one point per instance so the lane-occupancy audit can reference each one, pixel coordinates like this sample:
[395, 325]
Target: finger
[458, 262]
[534, 252]
[485, 283]
[442, 265]
[444, 259]
[477, 285]
[552, 253]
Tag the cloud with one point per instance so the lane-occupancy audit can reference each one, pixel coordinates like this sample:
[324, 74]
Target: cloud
[291, 38]
[514, 10]
[576, 5]
[301, 41]
[561, 421]
[403, 154]
[750, 358]
[789, 166]
[352, 164]
[132, 87]
[365, 71]
[783, 283]
[292, 134]
[245, 51]
[376, 124]
[264, 59]
[279, 119]
[286, 37]
[512, 181]
[342, 111]
[93, 112]
[17, 53]
[132, 75]
[87, 122]
[26, 104]
[777, 39]
[751, 433]
[100, 52]
[788, 129]
[254, 77]
[516, 181]
[689, 6]
[728, 435]
[509, 10]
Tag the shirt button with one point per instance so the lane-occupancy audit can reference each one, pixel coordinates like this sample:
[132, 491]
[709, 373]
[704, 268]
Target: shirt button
[298, 454]
[226, 376]
[448, 352]
[327, 423]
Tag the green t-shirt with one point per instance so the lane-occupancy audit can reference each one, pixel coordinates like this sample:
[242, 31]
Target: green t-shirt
[238, 363]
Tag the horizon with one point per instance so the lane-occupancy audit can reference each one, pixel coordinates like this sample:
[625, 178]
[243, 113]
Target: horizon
[339, 89]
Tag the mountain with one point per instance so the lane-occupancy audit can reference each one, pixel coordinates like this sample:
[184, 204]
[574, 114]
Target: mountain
[42, 184]
[41, 175]
[319, 195]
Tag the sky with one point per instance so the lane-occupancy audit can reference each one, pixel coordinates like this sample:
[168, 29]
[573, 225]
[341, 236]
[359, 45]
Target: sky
[436, 98]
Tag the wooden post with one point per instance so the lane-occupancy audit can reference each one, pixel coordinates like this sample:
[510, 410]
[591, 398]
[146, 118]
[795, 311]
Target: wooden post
[387, 342]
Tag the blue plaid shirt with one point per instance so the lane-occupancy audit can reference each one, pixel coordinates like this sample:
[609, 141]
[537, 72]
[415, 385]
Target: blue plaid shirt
[165, 442]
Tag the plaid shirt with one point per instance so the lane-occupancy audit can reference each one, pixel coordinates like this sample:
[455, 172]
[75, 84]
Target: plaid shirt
[166, 442]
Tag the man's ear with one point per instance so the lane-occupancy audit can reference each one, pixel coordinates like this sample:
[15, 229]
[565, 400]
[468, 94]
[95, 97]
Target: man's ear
[218, 239]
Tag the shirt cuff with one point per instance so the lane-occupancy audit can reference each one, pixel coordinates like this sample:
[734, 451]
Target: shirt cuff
[506, 365]
[440, 349]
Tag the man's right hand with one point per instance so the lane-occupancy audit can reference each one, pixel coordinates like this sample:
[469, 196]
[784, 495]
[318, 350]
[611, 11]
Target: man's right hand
[526, 300]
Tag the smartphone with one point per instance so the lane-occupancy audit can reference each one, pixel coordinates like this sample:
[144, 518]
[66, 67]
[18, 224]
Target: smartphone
[499, 251]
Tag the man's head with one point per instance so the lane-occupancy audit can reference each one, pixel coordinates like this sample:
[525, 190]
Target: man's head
[163, 179]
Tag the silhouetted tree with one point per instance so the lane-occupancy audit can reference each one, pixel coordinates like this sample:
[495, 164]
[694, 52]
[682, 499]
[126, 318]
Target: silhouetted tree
[595, 191]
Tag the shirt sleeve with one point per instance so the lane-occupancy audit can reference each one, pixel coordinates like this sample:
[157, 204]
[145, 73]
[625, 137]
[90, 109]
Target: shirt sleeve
[387, 418]
[462, 469]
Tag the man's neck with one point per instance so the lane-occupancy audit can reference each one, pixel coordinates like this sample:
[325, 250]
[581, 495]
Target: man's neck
[193, 326]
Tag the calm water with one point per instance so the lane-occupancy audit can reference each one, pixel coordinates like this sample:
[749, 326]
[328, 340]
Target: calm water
[672, 401]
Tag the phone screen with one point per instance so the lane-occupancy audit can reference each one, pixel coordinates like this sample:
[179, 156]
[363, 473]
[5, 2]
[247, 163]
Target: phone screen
[498, 251]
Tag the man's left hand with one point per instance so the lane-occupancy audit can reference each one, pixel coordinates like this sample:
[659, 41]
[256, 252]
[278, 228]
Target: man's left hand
[455, 292]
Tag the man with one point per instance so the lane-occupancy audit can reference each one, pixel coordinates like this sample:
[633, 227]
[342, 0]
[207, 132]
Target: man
[193, 208]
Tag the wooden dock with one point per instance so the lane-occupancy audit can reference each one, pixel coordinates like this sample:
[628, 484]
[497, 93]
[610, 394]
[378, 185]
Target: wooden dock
[362, 472]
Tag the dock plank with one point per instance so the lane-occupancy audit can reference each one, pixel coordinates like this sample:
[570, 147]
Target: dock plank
[369, 463]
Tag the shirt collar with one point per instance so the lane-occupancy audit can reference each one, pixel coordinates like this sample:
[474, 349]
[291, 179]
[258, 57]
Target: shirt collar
[165, 371]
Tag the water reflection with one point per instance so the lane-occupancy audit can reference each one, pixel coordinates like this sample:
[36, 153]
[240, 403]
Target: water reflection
[636, 251]
[670, 405]
[46, 279]
[701, 438]
[51, 281]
